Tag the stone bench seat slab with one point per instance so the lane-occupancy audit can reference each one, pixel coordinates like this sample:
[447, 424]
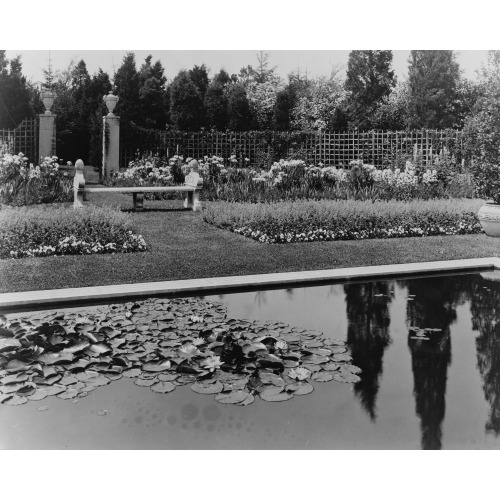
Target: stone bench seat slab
[138, 189]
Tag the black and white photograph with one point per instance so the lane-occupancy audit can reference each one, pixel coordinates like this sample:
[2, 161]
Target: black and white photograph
[237, 253]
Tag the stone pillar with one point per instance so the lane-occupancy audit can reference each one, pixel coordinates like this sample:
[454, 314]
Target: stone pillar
[47, 129]
[110, 138]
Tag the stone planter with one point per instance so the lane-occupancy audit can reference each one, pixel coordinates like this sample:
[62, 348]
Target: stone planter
[489, 217]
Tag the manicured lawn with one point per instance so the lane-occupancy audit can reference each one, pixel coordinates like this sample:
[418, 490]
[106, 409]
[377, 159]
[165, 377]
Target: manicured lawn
[182, 246]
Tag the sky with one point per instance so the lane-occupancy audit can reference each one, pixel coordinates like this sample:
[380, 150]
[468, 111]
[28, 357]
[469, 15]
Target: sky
[315, 62]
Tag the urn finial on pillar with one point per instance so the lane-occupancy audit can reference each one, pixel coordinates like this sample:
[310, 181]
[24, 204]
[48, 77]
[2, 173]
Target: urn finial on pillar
[48, 100]
[110, 101]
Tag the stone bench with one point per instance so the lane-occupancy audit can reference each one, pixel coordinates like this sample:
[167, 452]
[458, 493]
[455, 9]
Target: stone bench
[192, 185]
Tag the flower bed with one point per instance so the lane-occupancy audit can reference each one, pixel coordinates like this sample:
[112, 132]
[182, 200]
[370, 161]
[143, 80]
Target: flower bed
[55, 231]
[290, 180]
[301, 221]
[23, 184]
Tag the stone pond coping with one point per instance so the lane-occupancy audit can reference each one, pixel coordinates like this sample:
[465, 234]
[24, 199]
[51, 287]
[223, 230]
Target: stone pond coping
[82, 296]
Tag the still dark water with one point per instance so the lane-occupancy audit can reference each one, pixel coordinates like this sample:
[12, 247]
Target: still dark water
[442, 393]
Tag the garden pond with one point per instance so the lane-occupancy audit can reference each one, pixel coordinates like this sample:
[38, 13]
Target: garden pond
[390, 364]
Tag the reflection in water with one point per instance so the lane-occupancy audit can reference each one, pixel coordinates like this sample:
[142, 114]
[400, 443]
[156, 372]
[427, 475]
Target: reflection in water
[433, 306]
[368, 335]
[260, 298]
[485, 310]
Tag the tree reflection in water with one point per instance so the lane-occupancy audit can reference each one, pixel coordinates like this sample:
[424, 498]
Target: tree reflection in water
[485, 310]
[367, 307]
[432, 307]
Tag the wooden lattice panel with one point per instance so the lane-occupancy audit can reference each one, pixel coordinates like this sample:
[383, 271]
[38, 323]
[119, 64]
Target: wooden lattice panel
[23, 139]
[330, 148]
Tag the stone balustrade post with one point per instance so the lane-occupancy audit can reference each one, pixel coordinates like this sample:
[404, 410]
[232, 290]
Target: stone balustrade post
[110, 138]
[47, 128]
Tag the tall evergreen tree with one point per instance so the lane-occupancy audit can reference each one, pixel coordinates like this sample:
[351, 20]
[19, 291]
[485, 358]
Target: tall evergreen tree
[216, 106]
[199, 76]
[240, 114]
[222, 78]
[185, 103]
[151, 93]
[433, 78]
[127, 87]
[369, 79]
[283, 108]
[15, 93]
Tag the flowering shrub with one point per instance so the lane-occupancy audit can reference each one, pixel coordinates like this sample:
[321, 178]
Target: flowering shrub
[55, 231]
[23, 184]
[345, 220]
[487, 179]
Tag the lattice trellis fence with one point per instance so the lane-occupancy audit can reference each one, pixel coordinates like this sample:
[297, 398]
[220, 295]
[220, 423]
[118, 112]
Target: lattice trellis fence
[262, 148]
[23, 139]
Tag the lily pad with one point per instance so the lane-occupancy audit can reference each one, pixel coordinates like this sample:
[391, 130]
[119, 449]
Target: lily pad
[163, 387]
[38, 395]
[26, 390]
[168, 377]
[232, 397]
[331, 367]
[15, 400]
[351, 369]
[68, 394]
[322, 376]
[98, 381]
[132, 373]
[207, 388]
[341, 357]
[271, 378]
[275, 394]
[141, 382]
[299, 388]
[345, 377]
[53, 390]
[157, 366]
[42, 408]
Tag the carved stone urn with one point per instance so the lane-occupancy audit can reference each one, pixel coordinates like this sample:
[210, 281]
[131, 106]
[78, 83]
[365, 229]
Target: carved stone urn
[110, 101]
[48, 100]
[489, 217]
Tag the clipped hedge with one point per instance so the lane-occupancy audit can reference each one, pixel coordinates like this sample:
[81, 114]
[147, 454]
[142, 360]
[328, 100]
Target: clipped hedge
[30, 232]
[289, 222]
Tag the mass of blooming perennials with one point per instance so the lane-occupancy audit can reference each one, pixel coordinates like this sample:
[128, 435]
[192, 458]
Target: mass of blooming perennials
[460, 227]
[409, 176]
[17, 165]
[148, 172]
[71, 246]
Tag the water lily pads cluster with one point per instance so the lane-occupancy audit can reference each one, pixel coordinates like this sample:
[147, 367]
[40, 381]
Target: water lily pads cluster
[163, 344]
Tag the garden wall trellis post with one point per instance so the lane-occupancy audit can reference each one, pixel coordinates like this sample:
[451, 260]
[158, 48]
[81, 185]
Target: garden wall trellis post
[47, 127]
[110, 137]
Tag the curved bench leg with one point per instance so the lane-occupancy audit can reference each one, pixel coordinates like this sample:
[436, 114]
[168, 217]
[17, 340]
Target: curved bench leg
[196, 201]
[188, 202]
[138, 201]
